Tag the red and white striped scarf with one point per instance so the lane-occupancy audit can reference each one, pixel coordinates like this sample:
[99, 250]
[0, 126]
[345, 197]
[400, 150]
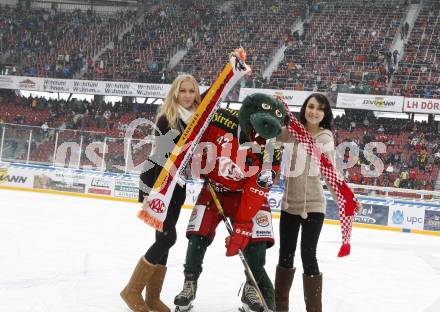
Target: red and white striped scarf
[345, 198]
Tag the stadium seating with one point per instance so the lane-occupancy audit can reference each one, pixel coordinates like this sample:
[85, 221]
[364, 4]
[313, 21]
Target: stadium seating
[418, 74]
[44, 43]
[344, 43]
[409, 145]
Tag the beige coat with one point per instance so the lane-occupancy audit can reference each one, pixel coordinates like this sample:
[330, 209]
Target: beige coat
[303, 189]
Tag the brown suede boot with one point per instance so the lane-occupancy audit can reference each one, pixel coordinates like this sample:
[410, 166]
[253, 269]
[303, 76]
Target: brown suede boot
[283, 282]
[154, 287]
[313, 292]
[132, 293]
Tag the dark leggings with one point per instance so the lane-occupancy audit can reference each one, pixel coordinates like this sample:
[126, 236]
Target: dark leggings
[158, 252]
[310, 230]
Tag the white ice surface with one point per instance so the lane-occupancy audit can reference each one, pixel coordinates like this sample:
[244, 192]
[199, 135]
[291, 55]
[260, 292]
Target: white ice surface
[60, 253]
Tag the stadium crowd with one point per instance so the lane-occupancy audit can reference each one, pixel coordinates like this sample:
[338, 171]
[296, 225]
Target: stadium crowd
[411, 159]
[418, 74]
[47, 43]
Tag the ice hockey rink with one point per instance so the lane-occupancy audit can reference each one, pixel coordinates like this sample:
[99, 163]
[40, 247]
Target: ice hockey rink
[62, 253]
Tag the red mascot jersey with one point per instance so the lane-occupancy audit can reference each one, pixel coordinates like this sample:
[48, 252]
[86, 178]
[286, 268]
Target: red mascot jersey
[231, 163]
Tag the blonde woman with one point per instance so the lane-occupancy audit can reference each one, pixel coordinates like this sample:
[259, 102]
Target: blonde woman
[177, 110]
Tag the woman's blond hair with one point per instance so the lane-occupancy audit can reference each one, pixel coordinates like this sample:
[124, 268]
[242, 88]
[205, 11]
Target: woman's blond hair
[169, 107]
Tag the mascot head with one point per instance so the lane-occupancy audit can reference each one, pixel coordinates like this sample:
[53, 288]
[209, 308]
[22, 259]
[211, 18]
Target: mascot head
[261, 117]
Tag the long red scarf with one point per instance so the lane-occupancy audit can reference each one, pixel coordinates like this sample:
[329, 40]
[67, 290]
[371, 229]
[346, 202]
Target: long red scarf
[345, 197]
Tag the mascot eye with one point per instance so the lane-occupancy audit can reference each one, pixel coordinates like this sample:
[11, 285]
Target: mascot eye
[265, 106]
[278, 113]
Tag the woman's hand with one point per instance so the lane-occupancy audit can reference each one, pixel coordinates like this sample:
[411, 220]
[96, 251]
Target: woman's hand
[284, 136]
[358, 207]
[145, 204]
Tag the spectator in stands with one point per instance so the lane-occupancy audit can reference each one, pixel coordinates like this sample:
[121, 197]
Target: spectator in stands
[437, 158]
[422, 159]
[390, 169]
[366, 122]
[396, 183]
[404, 176]
[391, 142]
[107, 116]
[44, 127]
[412, 174]
[429, 168]
[395, 54]
[388, 56]
[179, 105]
[428, 92]
[352, 125]
[390, 71]
[431, 159]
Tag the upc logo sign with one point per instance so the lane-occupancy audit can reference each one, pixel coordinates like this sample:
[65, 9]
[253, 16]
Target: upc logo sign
[399, 218]
[413, 220]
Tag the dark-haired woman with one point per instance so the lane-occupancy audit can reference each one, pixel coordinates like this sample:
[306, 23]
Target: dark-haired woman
[303, 205]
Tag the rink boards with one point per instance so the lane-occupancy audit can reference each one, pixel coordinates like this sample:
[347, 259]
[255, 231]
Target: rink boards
[379, 213]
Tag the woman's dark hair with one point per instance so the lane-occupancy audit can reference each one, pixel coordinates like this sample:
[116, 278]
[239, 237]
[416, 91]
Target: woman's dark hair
[326, 122]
